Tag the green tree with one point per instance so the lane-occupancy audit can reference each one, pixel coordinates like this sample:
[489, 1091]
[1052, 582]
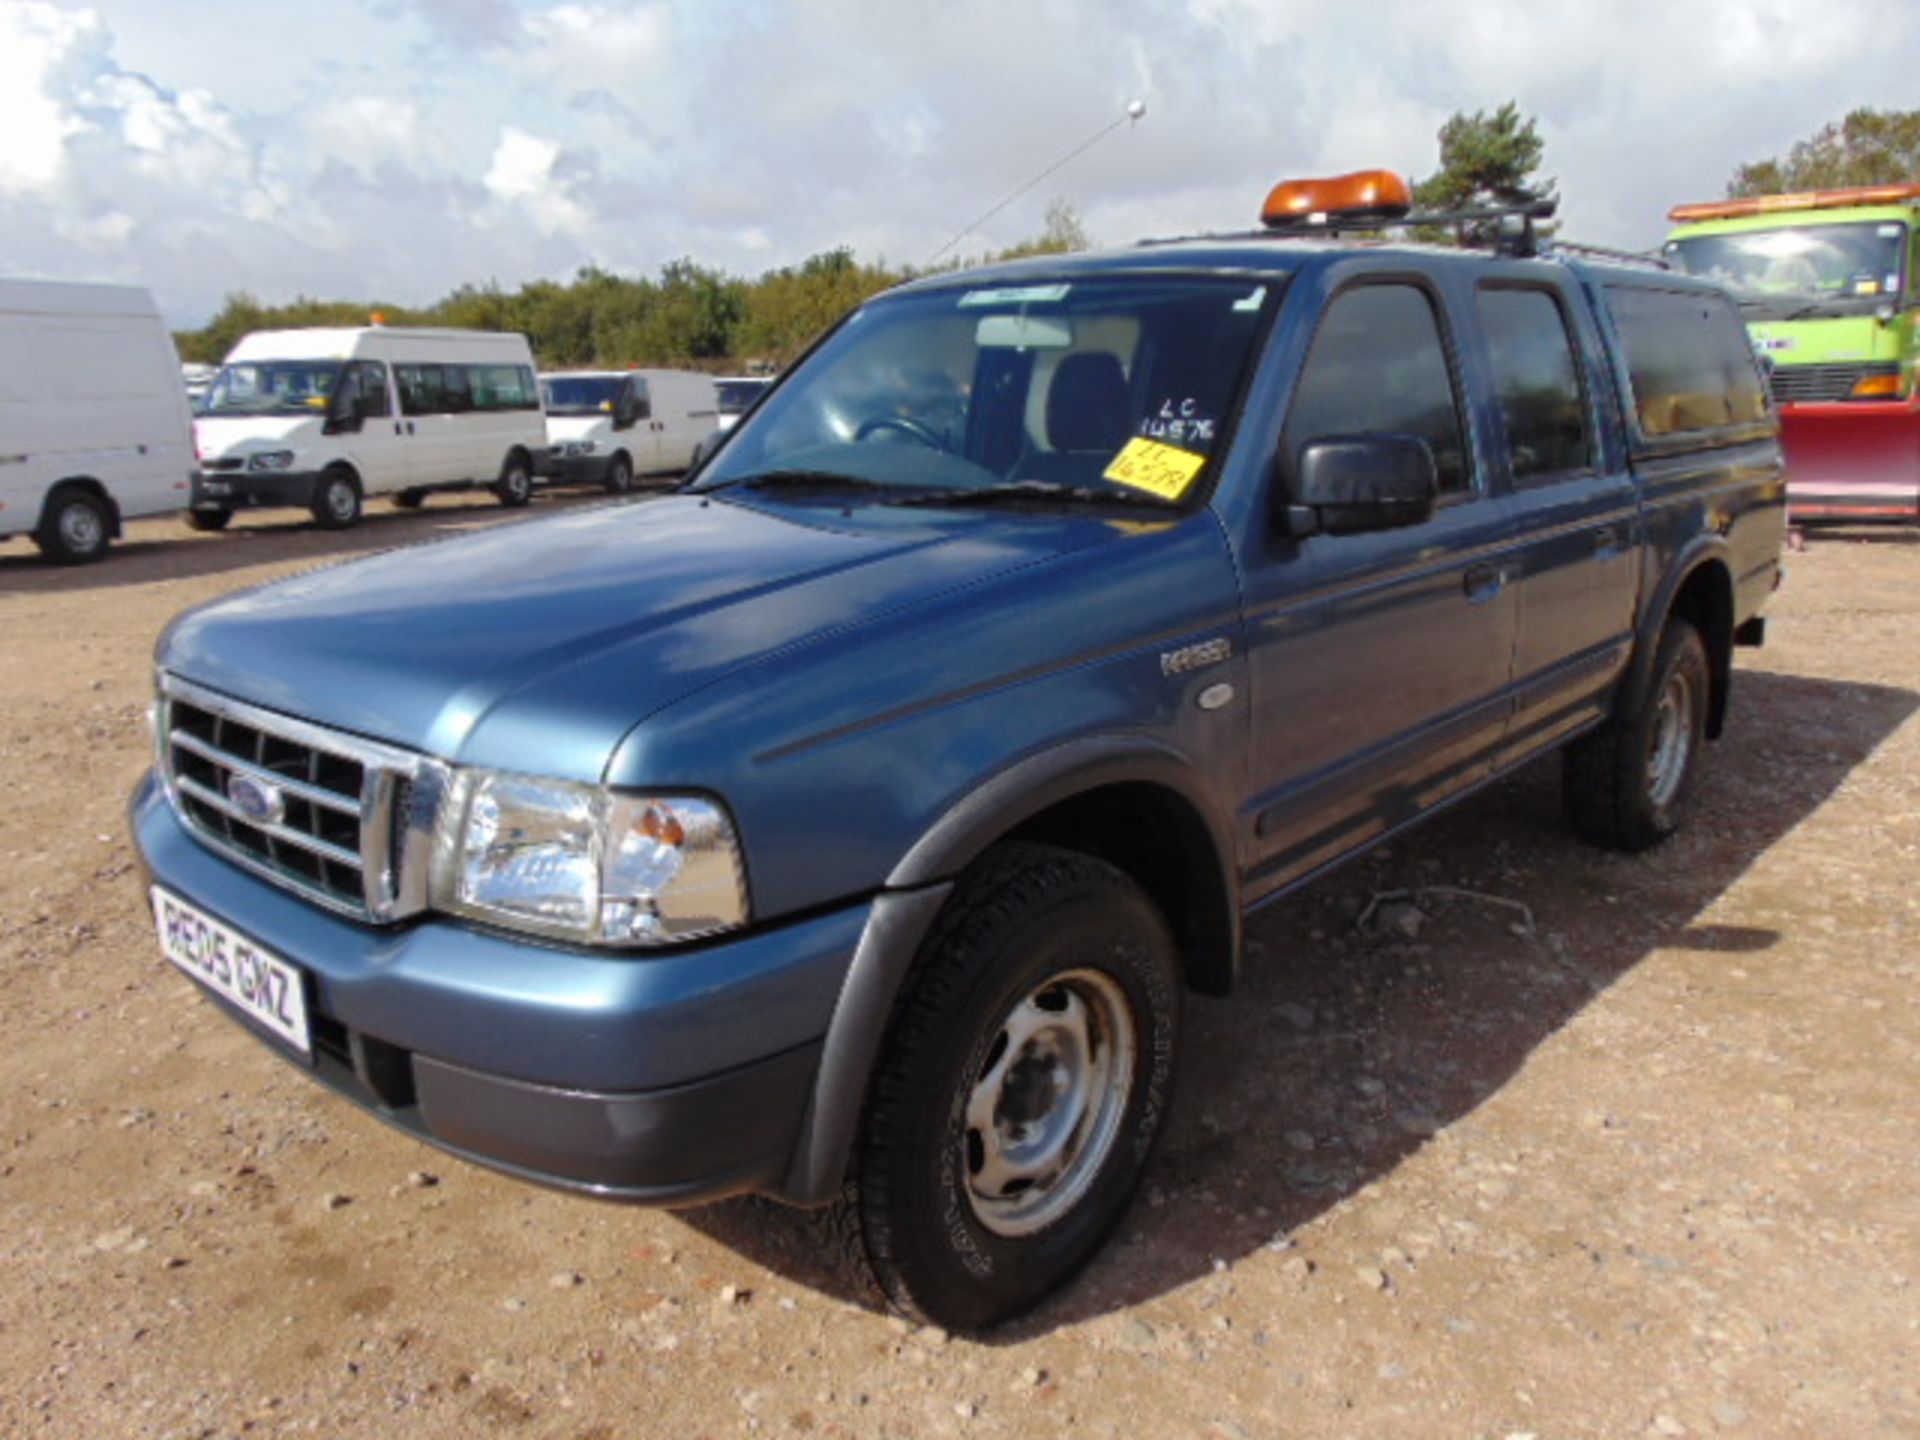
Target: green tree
[1868, 147]
[1486, 160]
[1062, 235]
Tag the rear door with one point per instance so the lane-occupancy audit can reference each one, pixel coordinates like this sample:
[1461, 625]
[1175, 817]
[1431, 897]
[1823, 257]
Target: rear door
[1381, 663]
[1573, 499]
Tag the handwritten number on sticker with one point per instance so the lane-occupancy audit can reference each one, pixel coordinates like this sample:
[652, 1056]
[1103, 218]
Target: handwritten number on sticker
[1161, 470]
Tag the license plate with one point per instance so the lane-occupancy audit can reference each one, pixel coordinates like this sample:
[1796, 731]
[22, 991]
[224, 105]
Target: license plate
[267, 988]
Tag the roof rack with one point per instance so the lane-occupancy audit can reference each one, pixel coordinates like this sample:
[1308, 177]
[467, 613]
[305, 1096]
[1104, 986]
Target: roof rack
[1513, 235]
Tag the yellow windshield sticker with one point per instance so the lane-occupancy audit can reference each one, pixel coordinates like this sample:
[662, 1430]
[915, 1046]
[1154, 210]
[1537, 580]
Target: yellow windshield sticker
[1162, 470]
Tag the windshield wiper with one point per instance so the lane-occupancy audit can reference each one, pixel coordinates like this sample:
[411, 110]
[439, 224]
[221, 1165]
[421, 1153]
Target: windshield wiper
[1032, 492]
[800, 480]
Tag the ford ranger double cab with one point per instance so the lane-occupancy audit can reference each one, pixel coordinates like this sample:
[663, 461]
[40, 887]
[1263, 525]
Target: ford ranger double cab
[847, 825]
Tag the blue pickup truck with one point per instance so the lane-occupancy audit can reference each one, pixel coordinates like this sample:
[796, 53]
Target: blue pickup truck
[848, 825]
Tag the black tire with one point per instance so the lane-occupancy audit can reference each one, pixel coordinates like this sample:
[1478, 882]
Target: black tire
[75, 528]
[1032, 933]
[515, 485]
[1627, 782]
[336, 500]
[209, 518]
[410, 498]
[619, 475]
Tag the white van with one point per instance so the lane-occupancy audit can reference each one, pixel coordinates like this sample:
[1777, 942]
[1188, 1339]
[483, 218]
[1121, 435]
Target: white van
[606, 426]
[93, 419]
[325, 418]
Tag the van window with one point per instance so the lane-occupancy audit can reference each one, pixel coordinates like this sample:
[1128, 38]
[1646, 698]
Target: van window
[364, 384]
[421, 392]
[454, 385]
[1378, 367]
[642, 401]
[1538, 381]
[502, 387]
[1689, 360]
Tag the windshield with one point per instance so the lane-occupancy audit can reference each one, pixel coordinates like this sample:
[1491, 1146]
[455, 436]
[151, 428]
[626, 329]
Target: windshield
[580, 394]
[272, 387]
[1043, 385]
[1800, 262]
[736, 395]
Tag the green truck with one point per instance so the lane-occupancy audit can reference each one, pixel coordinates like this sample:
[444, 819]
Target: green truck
[1828, 283]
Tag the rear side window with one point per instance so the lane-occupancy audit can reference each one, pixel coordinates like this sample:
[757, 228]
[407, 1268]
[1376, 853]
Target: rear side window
[1378, 367]
[456, 389]
[502, 387]
[1537, 380]
[1689, 360]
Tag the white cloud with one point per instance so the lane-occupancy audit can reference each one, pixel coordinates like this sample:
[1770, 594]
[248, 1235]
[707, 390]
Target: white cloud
[404, 147]
[613, 48]
[532, 173]
[35, 41]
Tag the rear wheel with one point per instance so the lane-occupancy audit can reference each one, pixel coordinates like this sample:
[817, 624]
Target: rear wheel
[336, 500]
[515, 485]
[1627, 782]
[75, 528]
[209, 517]
[1020, 1088]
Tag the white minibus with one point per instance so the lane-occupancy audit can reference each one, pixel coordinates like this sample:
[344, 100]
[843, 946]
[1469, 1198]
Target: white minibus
[93, 419]
[325, 418]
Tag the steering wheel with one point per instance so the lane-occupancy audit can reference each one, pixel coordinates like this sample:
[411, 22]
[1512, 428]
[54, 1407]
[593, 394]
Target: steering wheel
[913, 428]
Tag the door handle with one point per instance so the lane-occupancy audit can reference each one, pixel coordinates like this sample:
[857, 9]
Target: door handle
[1483, 582]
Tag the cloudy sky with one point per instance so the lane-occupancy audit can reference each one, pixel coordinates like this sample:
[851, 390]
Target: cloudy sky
[402, 147]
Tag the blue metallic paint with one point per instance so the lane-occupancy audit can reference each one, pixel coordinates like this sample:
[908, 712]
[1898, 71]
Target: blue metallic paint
[876, 694]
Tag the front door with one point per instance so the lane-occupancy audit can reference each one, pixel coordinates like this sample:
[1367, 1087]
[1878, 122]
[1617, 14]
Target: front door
[1381, 663]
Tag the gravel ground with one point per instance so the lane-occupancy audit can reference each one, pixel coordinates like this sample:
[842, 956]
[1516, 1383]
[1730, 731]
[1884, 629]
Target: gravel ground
[1567, 1145]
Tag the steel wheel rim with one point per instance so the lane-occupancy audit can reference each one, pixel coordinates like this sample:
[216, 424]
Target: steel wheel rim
[1672, 740]
[1044, 1110]
[340, 500]
[517, 483]
[80, 528]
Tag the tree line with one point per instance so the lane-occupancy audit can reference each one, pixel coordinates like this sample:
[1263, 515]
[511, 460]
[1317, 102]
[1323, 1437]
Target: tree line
[689, 315]
[694, 315]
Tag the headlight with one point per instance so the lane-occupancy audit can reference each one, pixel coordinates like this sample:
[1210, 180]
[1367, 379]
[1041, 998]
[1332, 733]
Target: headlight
[585, 863]
[271, 460]
[580, 447]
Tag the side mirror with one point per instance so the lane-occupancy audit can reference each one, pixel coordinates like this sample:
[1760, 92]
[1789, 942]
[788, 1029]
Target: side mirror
[1347, 484]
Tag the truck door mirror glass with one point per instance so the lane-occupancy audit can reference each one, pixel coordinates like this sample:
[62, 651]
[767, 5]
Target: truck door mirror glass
[1349, 484]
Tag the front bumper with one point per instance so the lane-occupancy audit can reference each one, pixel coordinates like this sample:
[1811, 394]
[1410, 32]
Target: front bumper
[662, 1077]
[239, 489]
[567, 469]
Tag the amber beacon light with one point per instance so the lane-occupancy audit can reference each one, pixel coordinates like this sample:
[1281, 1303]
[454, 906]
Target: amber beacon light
[1799, 200]
[1373, 194]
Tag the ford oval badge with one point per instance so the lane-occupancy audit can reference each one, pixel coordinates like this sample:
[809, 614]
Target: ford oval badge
[260, 802]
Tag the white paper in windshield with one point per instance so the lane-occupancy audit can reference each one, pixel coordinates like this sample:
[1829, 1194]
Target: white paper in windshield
[1016, 295]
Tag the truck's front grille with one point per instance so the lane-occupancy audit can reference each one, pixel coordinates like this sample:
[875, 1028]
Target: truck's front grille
[1817, 384]
[335, 817]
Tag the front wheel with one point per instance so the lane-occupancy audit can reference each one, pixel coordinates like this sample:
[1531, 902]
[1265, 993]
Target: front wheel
[336, 501]
[1021, 1086]
[208, 518]
[1626, 783]
[75, 528]
[515, 485]
[619, 475]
